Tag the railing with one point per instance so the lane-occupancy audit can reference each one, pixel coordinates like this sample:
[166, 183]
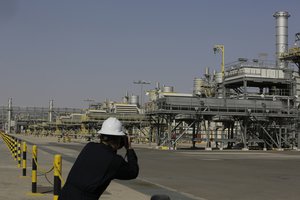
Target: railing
[261, 109]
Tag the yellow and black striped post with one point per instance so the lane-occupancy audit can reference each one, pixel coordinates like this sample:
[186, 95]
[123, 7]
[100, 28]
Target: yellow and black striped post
[24, 163]
[57, 174]
[12, 146]
[34, 169]
[15, 148]
[19, 154]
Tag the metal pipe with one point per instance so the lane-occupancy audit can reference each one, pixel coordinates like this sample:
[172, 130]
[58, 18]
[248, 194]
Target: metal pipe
[281, 36]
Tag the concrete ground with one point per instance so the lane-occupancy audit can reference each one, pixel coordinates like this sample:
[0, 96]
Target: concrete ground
[13, 186]
[183, 174]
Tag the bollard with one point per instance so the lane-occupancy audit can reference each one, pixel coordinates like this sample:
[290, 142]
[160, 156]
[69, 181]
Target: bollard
[24, 163]
[19, 154]
[15, 149]
[12, 147]
[34, 169]
[57, 174]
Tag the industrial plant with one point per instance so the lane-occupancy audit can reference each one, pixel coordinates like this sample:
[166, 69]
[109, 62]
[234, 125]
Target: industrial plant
[248, 104]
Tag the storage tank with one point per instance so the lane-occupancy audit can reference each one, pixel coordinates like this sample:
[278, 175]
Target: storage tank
[134, 99]
[168, 89]
[199, 86]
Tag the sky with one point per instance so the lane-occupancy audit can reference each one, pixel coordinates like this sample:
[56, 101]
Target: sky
[71, 50]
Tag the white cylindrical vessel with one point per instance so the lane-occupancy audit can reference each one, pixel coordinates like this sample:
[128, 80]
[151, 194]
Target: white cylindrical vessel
[281, 36]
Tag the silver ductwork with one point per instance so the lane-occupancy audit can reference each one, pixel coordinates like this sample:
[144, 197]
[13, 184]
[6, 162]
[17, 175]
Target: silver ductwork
[281, 36]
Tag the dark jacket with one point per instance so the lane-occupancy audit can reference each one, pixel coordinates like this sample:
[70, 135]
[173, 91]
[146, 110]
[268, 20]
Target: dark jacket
[93, 170]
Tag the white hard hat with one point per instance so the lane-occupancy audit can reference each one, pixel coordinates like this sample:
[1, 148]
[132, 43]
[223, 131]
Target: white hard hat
[112, 126]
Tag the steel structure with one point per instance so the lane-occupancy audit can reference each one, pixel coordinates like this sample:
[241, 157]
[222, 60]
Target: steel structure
[254, 104]
[259, 108]
[248, 104]
[26, 116]
[293, 54]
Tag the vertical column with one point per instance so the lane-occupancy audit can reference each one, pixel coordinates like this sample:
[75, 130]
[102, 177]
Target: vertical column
[169, 124]
[150, 135]
[298, 144]
[245, 89]
[158, 131]
[281, 36]
[9, 115]
[194, 135]
[245, 136]
[51, 111]
[279, 138]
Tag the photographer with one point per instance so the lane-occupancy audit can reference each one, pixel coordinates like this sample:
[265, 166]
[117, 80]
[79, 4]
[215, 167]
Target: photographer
[99, 163]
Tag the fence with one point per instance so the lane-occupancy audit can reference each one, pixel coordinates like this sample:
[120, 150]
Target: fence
[14, 146]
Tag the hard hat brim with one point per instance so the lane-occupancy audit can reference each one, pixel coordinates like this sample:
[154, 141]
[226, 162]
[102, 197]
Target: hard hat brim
[121, 133]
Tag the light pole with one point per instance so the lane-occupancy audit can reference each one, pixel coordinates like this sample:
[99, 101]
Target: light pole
[141, 82]
[218, 48]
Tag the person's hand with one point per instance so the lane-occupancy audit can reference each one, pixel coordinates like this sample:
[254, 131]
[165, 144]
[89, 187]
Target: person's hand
[127, 142]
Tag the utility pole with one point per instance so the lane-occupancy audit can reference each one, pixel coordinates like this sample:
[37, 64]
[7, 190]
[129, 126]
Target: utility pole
[141, 82]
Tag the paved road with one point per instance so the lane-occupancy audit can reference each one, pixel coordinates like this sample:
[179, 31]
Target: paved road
[233, 175]
[225, 175]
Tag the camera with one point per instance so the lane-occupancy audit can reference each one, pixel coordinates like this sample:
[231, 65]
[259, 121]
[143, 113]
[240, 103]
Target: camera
[124, 142]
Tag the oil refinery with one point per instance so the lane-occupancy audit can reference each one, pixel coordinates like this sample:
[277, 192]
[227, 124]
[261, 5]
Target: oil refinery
[248, 104]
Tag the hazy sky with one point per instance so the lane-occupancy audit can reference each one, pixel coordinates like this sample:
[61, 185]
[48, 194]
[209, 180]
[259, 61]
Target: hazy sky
[71, 50]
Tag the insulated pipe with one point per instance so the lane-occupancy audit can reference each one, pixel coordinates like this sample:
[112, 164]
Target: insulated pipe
[281, 36]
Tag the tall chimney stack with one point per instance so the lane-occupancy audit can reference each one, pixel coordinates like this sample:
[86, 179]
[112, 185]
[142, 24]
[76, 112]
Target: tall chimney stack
[281, 36]
[51, 111]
